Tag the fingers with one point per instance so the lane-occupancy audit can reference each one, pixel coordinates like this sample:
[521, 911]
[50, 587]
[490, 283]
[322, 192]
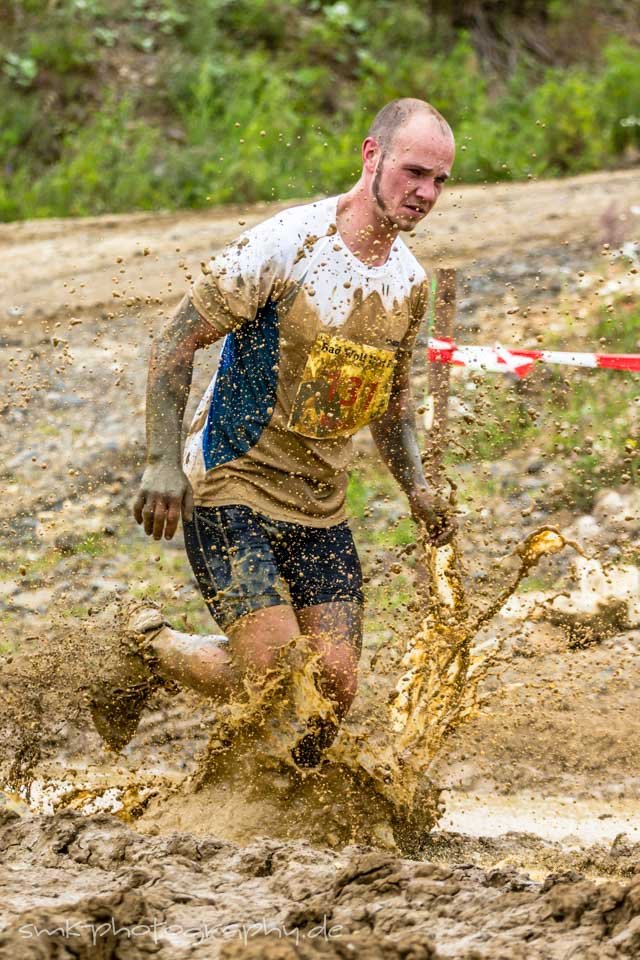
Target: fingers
[164, 492]
[440, 523]
[173, 507]
[138, 505]
[441, 529]
[187, 505]
[446, 536]
[158, 515]
[148, 516]
[173, 516]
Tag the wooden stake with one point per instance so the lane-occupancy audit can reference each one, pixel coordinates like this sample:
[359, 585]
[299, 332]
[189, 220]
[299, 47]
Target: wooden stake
[439, 376]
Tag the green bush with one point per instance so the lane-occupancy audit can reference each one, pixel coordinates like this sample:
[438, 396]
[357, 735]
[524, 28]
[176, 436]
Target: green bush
[110, 165]
[283, 91]
[619, 98]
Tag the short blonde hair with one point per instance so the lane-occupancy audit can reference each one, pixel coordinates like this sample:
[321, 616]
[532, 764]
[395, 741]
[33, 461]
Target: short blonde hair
[396, 113]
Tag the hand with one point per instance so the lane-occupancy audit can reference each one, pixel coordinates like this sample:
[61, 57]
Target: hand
[435, 513]
[164, 493]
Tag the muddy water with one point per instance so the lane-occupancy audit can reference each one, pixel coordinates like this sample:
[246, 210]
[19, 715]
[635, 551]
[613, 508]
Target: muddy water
[95, 889]
[373, 785]
[81, 883]
[564, 819]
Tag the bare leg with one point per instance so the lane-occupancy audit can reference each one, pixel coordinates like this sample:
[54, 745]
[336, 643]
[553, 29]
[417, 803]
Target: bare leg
[214, 666]
[256, 639]
[335, 630]
[202, 663]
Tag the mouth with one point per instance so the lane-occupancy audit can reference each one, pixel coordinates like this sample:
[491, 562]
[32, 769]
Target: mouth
[415, 211]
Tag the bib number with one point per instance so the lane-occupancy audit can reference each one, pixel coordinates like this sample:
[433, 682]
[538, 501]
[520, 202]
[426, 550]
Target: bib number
[344, 386]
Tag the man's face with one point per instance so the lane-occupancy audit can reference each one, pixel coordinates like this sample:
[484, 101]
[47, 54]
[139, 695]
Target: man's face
[409, 177]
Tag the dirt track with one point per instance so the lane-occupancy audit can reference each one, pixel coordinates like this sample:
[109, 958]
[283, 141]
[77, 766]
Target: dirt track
[476, 222]
[553, 758]
[178, 896]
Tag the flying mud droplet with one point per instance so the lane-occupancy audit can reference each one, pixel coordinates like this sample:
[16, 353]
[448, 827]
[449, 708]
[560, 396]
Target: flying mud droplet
[372, 784]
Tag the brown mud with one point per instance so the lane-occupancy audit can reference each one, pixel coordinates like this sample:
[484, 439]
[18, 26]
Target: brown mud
[372, 784]
[537, 839]
[111, 892]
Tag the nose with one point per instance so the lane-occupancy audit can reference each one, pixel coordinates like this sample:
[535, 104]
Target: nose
[427, 190]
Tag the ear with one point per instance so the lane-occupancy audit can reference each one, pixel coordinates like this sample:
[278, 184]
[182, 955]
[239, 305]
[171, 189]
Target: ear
[370, 154]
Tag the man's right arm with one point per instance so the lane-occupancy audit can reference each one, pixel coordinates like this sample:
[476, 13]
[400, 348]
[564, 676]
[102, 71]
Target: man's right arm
[165, 491]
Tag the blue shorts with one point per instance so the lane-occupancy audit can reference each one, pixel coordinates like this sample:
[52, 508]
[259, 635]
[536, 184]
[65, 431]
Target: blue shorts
[244, 561]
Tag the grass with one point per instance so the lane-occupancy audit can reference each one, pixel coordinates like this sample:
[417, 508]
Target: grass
[587, 420]
[382, 527]
[372, 495]
[93, 545]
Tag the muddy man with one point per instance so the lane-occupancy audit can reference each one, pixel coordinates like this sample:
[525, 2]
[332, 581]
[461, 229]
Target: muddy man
[319, 307]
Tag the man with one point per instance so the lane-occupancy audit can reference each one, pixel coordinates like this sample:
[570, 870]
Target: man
[320, 306]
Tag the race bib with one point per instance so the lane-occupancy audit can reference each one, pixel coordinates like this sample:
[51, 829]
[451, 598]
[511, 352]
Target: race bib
[344, 386]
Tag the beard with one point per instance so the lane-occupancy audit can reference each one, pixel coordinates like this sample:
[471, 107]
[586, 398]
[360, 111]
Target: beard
[375, 190]
[404, 224]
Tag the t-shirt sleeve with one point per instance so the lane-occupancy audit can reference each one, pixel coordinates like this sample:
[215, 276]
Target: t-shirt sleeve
[243, 276]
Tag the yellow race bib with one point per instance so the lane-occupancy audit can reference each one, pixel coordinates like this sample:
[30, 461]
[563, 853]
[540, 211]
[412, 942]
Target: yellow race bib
[344, 386]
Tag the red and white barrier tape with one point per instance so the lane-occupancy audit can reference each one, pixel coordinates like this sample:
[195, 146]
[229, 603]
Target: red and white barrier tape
[499, 359]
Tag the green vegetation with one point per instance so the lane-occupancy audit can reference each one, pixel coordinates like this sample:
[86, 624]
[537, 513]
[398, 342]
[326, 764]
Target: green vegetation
[109, 105]
[372, 503]
[588, 420]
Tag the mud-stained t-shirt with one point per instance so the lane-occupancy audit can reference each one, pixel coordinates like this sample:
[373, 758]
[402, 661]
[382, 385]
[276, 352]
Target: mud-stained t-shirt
[312, 338]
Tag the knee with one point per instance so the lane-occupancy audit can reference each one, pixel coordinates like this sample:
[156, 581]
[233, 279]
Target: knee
[263, 661]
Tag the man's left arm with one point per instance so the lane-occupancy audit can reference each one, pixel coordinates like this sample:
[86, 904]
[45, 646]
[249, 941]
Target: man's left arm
[395, 436]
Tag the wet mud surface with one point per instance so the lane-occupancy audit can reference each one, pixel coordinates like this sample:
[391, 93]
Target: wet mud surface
[529, 842]
[96, 880]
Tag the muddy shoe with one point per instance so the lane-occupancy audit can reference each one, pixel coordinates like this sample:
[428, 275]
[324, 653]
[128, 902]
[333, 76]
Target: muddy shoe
[308, 752]
[128, 670]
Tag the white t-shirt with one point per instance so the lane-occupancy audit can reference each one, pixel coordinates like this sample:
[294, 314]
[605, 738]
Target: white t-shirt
[312, 339]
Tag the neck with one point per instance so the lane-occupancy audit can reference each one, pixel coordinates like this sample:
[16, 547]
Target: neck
[364, 229]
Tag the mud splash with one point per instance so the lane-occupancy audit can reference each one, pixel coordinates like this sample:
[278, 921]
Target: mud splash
[373, 784]
[604, 603]
[370, 787]
[438, 689]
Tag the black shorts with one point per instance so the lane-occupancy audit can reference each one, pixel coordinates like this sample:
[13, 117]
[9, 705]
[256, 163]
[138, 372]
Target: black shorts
[244, 561]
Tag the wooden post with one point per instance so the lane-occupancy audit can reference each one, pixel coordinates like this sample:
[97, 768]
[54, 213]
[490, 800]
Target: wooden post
[439, 375]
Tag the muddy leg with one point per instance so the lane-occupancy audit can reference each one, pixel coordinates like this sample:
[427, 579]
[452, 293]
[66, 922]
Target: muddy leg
[335, 632]
[214, 666]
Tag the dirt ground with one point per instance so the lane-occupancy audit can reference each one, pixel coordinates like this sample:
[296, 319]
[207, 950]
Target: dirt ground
[537, 850]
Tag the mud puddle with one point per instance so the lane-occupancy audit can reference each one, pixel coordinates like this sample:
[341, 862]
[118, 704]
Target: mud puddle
[373, 784]
[89, 791]
[97, 889]
[567, 820]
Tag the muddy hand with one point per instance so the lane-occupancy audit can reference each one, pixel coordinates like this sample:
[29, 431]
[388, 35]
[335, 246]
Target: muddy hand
[435, 513]
[164, 494]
